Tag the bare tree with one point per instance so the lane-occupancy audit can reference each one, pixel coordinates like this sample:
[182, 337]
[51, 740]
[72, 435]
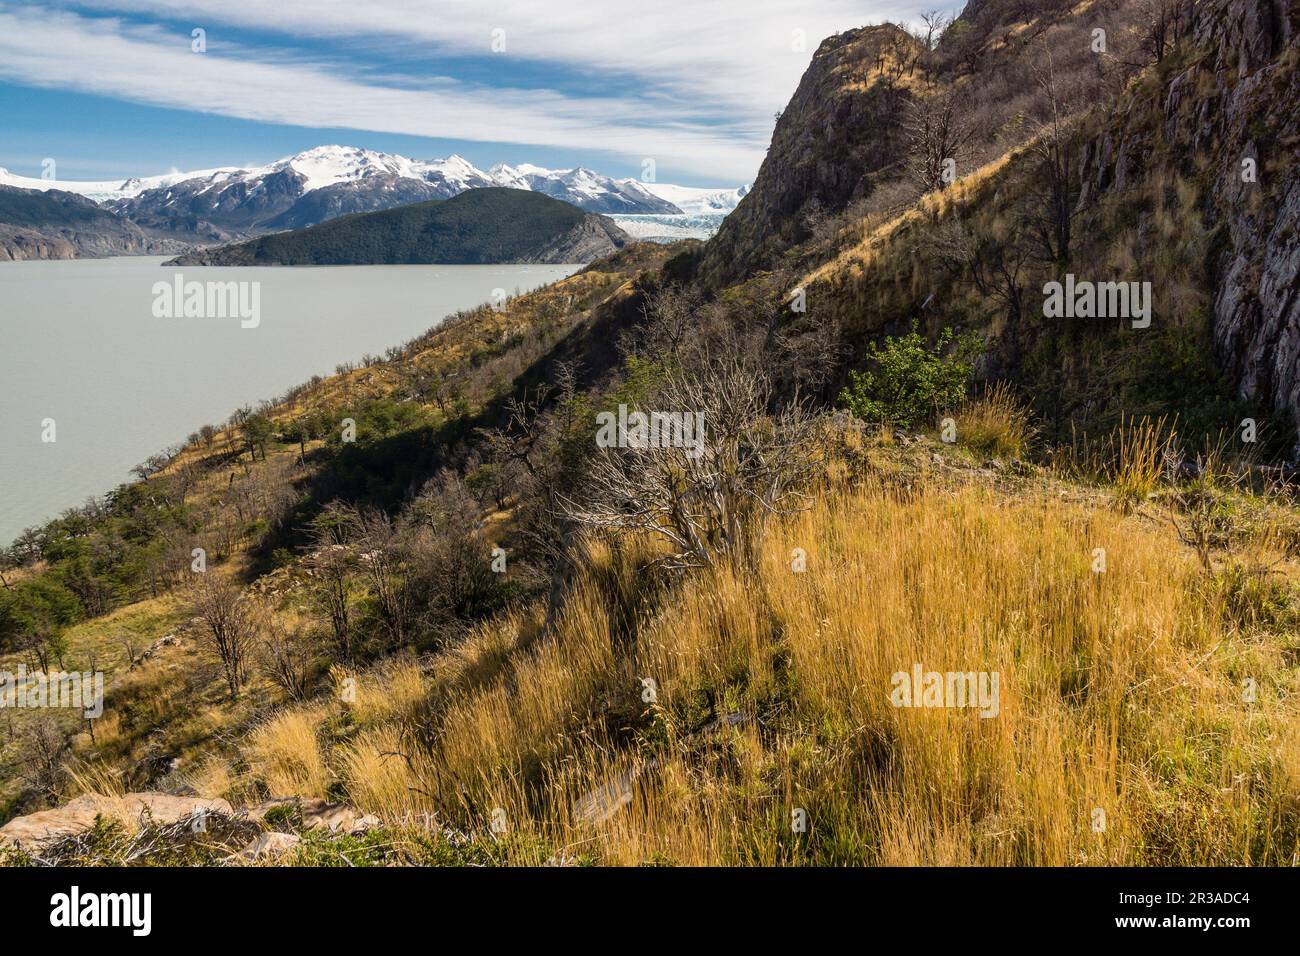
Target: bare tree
[706, 498]
[1051, 213]
[898, 55]
[288, 658]
[150, 466]
[1159, 20]
[671, 316]
[382, 558]
[936, 138]
[185, 477]
[521, 438]
[47, 748]
[230, 626]
[331, 565]
[993, 265]
[934, 23]
[129, 649]
[449, 570]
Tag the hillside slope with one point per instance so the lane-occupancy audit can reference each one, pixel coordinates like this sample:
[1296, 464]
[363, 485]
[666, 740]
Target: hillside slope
[1144, 171]
[62, 225]
[488, 225]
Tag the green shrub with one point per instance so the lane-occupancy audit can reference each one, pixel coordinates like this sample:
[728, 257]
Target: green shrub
[910, 381]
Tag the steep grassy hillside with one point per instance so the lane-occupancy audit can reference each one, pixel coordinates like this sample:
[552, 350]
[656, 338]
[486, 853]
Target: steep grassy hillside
[1114, 174]
[1120, 691]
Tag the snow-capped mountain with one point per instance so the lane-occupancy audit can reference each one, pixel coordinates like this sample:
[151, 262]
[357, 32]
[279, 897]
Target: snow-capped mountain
[584, 188]
[330, 181]
[106, 191]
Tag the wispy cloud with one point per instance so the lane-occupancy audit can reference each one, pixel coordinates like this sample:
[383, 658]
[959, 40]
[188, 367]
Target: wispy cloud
[696, 83]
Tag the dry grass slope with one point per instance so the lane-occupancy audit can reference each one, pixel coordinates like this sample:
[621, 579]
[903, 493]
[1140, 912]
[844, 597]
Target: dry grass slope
[1123, 734]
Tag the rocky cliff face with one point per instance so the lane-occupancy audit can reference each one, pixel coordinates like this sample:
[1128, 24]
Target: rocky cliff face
[19, 245]
[842, 139]
[1233, 111]
[61, 225]
[593, 238]
[838, 130]
[1156, 133]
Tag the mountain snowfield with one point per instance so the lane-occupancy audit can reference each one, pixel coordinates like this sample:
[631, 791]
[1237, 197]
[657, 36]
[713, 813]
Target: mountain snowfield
[111, 190]
[388, 179]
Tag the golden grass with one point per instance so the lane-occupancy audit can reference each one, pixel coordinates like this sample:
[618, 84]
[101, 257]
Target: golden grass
[285, 753]
[212, 776]
[393, 692]
[997, 423]
[383, 773]
[1120, 701]
[95, 777]
[1135, 458]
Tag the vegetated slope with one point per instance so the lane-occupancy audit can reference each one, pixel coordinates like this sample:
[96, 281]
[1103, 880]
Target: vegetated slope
[109, 583]
[772, 696]
[477, 226]
[1113, 175]
[844, 144]
[1227, 116]
[61, 225]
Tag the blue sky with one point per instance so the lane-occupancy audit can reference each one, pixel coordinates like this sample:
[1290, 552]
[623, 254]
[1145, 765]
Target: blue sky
[111, 88]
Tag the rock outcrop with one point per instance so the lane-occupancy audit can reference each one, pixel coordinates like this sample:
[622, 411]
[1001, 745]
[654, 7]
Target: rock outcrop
[593, 238]
[46, 826]
[837, 131]
[39, 830]
[62, 225]
[20, 245]
[1232, 110]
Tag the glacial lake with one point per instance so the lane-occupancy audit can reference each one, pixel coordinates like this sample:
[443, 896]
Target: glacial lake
[80, 344]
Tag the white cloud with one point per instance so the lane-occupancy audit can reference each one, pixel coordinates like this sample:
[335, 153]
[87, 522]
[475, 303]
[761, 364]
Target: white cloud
[739, 52]
[707, 76]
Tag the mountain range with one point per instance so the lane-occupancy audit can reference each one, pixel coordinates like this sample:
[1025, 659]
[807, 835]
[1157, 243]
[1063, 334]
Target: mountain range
[228, 204]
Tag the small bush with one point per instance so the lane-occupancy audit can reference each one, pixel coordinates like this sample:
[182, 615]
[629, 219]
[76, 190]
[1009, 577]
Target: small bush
[911, 382]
